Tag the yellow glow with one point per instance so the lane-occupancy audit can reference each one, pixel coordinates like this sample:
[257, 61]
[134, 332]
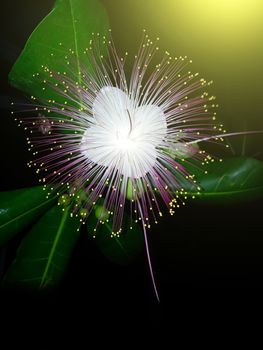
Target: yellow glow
[231, 22]
[232, 11]
[224, 38]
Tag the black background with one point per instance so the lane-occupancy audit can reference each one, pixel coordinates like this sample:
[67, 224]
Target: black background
[207, 259]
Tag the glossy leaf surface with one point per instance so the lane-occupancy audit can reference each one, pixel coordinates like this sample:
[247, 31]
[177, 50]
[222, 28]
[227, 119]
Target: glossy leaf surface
[234, 179]
[44, 253]
[19, 208]
[62, 36]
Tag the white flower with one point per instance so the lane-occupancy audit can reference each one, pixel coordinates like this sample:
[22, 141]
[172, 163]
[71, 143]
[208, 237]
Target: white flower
[117, 138]
[124, 136]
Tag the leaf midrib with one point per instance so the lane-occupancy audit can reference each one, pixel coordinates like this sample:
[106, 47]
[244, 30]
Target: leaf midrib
[224, 192]
[53, 249]
[75, 40]
[26, 212]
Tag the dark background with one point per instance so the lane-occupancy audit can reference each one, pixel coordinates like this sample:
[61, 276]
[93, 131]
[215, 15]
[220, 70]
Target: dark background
[207, 259]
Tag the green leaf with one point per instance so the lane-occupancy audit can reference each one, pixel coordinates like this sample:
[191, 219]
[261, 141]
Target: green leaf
[69, 26]
[19, 208]
[44, 253]
[120, 250]
[232, 180]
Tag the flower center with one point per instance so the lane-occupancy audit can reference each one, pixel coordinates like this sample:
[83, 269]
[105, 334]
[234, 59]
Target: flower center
[124, 142]
[124, 136]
